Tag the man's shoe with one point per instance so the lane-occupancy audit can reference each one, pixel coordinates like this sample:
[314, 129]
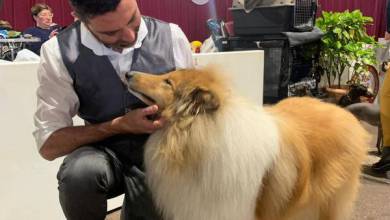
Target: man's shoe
[370, 174]
[383, 165]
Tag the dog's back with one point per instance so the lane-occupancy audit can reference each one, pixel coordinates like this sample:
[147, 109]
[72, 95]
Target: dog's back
[322, 149]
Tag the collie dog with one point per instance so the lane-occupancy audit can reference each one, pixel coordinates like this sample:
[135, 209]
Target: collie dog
[219, 157]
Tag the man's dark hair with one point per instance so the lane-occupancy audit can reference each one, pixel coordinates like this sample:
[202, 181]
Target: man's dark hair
[86, 9]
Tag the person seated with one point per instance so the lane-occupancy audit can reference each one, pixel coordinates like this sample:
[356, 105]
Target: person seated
[5, 25]
[44, 28]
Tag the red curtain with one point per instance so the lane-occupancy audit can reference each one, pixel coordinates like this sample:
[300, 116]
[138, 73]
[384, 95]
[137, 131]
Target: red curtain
[190, 17]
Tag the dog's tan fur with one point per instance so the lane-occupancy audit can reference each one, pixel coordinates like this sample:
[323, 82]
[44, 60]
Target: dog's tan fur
[315, 174]
[322, 148]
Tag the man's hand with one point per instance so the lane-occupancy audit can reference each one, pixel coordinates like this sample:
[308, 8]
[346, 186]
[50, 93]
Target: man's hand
[65, 140]
[137, 122]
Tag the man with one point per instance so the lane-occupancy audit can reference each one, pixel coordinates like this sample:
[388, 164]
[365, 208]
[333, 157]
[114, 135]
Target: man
[383, 165]
[387, 33]
[81, 72]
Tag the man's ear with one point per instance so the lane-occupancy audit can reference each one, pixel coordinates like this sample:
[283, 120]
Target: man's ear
[204, 100]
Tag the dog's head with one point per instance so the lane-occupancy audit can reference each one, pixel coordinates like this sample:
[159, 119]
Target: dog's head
[181, 93]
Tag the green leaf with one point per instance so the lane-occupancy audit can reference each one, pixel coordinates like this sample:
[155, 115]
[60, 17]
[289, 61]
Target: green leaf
[338, 44]
[337, 30]
[346, 34]
[345, 41]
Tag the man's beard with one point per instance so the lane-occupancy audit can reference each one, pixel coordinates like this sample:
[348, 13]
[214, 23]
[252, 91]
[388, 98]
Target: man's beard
[119, 46]
[123, 45]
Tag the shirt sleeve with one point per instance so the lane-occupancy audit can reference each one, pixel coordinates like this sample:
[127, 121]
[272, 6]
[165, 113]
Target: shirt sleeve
[57, 101]
[181, 48]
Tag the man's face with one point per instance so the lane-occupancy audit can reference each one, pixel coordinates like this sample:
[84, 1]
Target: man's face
[117, 29]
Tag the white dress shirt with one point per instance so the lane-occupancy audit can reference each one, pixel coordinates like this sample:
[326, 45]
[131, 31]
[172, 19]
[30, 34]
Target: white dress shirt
[57, 100]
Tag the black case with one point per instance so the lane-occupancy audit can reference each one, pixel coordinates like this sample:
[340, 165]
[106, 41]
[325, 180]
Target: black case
[263, 20]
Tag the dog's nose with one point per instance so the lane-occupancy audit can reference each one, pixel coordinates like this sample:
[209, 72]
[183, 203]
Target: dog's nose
[129, 75]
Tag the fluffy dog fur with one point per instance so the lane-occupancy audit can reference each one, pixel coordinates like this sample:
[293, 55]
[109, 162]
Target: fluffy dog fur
[220, 157]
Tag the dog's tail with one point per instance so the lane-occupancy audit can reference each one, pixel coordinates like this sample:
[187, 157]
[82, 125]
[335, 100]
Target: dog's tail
[366, 112]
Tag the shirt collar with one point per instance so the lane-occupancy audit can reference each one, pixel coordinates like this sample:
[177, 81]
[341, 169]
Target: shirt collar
[90, 41]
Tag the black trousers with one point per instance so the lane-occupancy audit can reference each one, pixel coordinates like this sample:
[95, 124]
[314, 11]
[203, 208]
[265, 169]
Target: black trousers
[90, 175]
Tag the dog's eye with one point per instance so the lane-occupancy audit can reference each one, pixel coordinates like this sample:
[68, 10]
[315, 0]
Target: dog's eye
[168, 82]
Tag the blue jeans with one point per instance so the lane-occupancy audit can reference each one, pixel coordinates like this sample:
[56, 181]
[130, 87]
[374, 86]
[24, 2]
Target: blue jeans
[89, 176]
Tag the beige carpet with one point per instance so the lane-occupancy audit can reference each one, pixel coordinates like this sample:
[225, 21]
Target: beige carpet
[114, 215]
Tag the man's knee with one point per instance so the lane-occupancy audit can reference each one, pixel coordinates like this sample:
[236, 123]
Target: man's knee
[85, 170]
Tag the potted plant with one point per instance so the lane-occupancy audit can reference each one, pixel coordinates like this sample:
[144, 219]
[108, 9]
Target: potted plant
[345, 47]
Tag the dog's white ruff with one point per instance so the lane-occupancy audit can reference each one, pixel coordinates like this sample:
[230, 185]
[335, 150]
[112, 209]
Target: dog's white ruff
[238, 148]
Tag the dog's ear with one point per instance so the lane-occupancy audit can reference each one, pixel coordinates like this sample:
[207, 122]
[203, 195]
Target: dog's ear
[204, 100]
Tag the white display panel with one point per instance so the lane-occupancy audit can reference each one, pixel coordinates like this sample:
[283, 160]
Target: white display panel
[245, 68]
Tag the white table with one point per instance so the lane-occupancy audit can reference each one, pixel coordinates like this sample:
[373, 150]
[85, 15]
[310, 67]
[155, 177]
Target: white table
[13, 45]
[28, 184]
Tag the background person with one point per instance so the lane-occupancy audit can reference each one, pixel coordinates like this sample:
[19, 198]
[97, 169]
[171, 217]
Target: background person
[44, 27]
[5, 26]
[81, 72]
[383, 165]
[387, 33]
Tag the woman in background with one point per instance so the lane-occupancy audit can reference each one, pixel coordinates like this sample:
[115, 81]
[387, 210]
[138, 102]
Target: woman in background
[44, 28]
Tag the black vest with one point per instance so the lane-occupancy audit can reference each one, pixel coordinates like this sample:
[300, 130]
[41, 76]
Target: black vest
[102, 94]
